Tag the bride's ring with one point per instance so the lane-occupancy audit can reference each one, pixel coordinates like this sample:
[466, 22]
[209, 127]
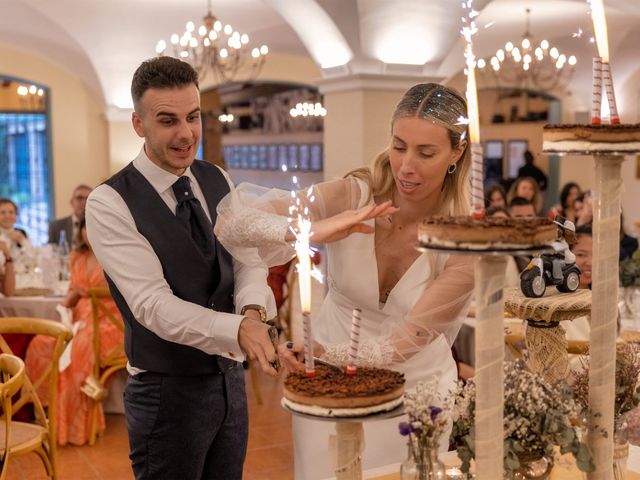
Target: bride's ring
[289, 345]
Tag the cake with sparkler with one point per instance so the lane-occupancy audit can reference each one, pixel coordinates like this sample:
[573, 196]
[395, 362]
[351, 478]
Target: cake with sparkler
[332, 393]
[486, 233]
[591, 138]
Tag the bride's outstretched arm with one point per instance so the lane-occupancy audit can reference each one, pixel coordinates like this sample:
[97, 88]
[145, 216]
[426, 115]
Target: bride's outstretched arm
[252, 216]
[443, 301]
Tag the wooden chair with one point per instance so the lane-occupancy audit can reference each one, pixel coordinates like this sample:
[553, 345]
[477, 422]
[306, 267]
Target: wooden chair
[103, 368]
[39, 436]
[12, 371]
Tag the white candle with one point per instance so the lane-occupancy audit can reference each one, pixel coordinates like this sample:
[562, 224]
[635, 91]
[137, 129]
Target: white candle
[304, 281]
[354, 338]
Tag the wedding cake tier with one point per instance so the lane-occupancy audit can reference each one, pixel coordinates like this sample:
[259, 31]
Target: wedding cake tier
[465, 232]
[591, 139]
[332, 393]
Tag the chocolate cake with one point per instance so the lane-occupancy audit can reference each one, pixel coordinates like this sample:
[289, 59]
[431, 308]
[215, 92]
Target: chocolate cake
[333, 393]
[466, 232]
[591, 138]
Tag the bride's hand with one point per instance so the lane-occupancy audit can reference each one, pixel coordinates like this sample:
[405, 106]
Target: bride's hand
[344, 224]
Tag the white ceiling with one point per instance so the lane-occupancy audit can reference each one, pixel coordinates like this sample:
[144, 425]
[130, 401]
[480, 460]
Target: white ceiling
[103, 41]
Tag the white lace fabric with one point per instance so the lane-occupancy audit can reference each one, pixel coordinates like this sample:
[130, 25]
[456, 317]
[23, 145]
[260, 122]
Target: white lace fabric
[258, 217]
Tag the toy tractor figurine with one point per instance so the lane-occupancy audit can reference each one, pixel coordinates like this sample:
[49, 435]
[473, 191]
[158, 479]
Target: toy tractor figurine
[558, 268]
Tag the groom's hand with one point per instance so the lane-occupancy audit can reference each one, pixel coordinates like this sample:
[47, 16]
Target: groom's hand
[254, 340]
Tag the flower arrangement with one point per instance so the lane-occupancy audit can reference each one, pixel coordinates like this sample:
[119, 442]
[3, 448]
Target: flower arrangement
[630, 271]
[627, 381]
[537, 418]
[428, 419]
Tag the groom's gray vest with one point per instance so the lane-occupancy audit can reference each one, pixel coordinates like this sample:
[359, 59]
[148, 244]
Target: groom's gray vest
[207, 282]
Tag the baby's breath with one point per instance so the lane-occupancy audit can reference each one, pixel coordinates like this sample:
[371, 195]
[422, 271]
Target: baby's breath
[537, 417]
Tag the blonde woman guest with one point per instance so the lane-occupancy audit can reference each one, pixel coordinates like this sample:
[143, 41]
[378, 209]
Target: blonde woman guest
[526, 187]
[73, 405]
[412, 303]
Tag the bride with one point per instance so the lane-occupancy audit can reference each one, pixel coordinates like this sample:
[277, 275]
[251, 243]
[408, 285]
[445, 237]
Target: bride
[412, 303]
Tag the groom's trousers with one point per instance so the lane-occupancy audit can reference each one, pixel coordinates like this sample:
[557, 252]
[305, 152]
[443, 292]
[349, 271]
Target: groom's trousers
[187, 427]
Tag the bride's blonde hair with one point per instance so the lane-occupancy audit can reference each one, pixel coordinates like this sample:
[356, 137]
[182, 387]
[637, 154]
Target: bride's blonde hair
[445, 107]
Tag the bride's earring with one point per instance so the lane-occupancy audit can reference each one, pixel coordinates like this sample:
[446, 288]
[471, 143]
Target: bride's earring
[450, 169]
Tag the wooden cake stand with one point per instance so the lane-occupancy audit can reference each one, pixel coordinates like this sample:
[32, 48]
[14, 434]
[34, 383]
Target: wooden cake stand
[546, 342]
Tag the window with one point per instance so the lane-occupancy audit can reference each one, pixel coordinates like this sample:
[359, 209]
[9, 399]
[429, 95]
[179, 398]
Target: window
[516, 156]
[25, 163]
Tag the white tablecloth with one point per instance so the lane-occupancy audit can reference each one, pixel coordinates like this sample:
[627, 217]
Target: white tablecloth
[40, 307]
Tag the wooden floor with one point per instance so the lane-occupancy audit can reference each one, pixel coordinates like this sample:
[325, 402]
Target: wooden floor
[269, 455]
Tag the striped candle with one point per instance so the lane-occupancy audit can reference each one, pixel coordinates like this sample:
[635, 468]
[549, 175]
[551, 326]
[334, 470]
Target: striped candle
[309, 364]
[596, 97]
[611, 96]
[354, 339]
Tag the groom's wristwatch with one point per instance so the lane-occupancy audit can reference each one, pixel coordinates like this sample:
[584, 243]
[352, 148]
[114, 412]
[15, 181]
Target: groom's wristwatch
[258, 308]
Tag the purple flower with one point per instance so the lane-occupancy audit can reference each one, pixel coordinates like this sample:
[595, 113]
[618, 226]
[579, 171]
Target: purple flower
[435, 411]
[405, 428]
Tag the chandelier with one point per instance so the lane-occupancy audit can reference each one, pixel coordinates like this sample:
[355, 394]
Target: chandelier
[521, 64]
[216, 49]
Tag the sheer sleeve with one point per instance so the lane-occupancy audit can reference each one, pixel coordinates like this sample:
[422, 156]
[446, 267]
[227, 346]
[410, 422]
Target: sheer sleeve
[258, 217]
[443, 302]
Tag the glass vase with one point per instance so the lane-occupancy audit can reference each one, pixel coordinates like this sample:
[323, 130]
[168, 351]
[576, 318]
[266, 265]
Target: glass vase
[427, 465]
[533, 466]
[620, 450]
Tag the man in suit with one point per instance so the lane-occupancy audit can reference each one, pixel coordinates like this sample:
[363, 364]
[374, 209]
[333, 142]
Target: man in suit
[70, 224]
[192, 313]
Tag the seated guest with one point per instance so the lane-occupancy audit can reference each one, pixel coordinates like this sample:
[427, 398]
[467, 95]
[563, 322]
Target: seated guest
[73, 405]
[526, 187]
[583, 207]
[495, 196]
[520, 207]
[70, 224]
[568, 195]
[15, 238]
[7, 275]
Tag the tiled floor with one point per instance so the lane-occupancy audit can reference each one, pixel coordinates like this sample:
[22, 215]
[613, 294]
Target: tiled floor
[269, 455]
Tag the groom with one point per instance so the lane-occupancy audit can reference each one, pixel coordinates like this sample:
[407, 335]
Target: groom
[178, 289]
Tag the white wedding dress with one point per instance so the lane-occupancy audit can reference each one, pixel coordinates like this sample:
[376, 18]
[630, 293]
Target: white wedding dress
[352, 281]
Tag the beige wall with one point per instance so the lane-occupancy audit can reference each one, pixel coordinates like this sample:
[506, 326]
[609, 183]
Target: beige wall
[79, 135]
[356, 128]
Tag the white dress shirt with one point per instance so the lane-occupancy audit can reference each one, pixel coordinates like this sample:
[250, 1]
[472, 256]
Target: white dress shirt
[129, 260]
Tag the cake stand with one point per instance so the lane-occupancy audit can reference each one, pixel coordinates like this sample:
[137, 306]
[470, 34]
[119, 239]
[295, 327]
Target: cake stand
[489, 355]
[606, 248]
[348, 443]
[546, 341]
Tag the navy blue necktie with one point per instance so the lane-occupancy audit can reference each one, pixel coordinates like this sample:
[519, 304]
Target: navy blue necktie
[191, 214]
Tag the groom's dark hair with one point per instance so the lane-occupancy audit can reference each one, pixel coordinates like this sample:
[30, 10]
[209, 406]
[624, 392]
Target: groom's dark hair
[161, 72]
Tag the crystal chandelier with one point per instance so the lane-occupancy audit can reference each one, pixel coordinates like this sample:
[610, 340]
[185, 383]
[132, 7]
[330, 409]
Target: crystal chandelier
[527, 66]
[216, 49]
